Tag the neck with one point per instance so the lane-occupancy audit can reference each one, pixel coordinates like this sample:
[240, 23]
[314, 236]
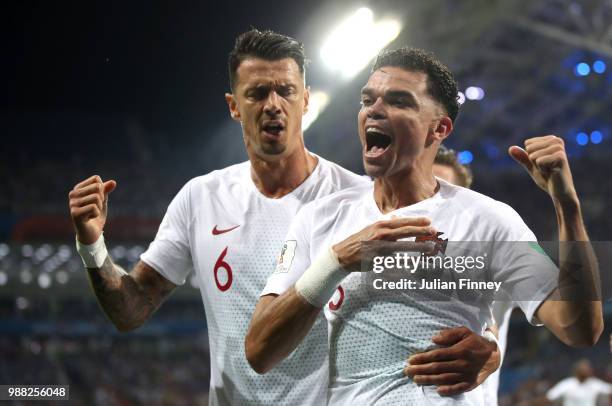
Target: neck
[404, 189]
[276, 179]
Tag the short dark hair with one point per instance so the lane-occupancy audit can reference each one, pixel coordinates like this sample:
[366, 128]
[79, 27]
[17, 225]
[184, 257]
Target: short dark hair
[441, 83]
[267, 45]
[448, 157]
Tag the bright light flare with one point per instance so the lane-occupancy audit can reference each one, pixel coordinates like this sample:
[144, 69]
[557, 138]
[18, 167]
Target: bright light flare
[474, 93]
[460, 97]
[317, 103]
[352, 44]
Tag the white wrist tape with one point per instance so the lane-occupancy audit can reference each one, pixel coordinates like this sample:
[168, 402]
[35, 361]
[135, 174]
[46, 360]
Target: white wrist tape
[93, 255]
[489, 336]
[318, 283]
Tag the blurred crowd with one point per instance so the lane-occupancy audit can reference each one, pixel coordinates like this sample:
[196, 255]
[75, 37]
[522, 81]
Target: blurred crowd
[174, 370]
[145, 188]
[112, 370]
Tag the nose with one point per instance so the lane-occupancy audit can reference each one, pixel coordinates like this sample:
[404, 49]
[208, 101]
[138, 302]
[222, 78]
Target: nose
[376, 110]
[272, 106]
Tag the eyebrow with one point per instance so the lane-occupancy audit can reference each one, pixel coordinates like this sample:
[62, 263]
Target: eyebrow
[268, 86]
[367, 91]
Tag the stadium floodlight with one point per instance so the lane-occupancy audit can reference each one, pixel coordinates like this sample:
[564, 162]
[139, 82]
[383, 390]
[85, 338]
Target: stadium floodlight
[25, 276]
[460, 97]
[62, 277]
[465, 157]
[22, 303]
[4, 250]
[316, 104]
[596, 137]
[44, 280]
[356, 40]
[474, 93]
[582, 69]
[582, 138]
[599, 66]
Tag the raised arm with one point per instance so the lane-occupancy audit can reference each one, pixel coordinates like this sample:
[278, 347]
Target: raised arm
[128, 299]
[574, 311]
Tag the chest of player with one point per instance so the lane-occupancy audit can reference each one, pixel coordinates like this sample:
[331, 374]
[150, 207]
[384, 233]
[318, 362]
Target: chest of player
[232, 246]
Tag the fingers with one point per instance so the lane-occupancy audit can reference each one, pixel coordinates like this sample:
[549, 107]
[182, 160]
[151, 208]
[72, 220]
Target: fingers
[88, 181]
[451, 336]
[452, 390]
[520, 156]
[87, 200]
[397, 222]
[109, 186]
[437, 355]
[404, 232]
[87, 190]
[544, 151]
[401, 227]
[535, 143]
[435, 368]
[548, 158]
[90, 192]
[80, 214]
[441, 379]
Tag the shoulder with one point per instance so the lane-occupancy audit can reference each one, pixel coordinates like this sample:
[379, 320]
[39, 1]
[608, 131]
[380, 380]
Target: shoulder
[485, 207]
[218, 185]
[341, 177]
[334, 203]
[495, 220]
[227, 176]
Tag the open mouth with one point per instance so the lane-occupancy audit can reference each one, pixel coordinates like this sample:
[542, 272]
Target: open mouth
[376, 142]
[273, 128]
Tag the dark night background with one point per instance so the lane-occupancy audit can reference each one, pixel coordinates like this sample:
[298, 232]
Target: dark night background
[135, 91]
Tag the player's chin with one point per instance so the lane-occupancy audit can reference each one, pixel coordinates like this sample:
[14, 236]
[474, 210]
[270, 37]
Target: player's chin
[374, 169]
[273, 149]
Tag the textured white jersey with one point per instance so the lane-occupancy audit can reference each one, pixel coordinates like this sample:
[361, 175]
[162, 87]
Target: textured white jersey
[220, 226]
[501, 315]
[372, 335]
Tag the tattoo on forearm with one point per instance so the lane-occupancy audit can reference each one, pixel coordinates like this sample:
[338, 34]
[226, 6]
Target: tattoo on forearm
[127, 299]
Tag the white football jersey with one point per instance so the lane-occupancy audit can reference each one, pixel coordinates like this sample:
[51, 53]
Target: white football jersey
[572, 392]
[501, 310]
[371, 334]
[223, 228]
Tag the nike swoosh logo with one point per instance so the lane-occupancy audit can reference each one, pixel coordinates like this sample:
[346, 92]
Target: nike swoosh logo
[216, 231]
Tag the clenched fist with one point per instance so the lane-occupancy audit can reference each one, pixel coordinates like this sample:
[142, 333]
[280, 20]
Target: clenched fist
[546, 161]
[88, 203]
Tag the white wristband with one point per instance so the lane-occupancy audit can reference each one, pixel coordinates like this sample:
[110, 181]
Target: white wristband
[489, 336]
[93, 255]
[318, 283]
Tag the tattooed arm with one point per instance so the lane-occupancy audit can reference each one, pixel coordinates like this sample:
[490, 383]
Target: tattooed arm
[128, 299]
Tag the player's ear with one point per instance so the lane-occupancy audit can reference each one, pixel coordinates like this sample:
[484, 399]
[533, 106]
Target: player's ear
[306, 99]
[443, 128]
[233, 106]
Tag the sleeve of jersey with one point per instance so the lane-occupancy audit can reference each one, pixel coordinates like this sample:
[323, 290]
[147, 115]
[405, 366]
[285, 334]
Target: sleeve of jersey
[604, 387]
[169, 254]
[527, 274]
[557, 391]
[294, 256]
